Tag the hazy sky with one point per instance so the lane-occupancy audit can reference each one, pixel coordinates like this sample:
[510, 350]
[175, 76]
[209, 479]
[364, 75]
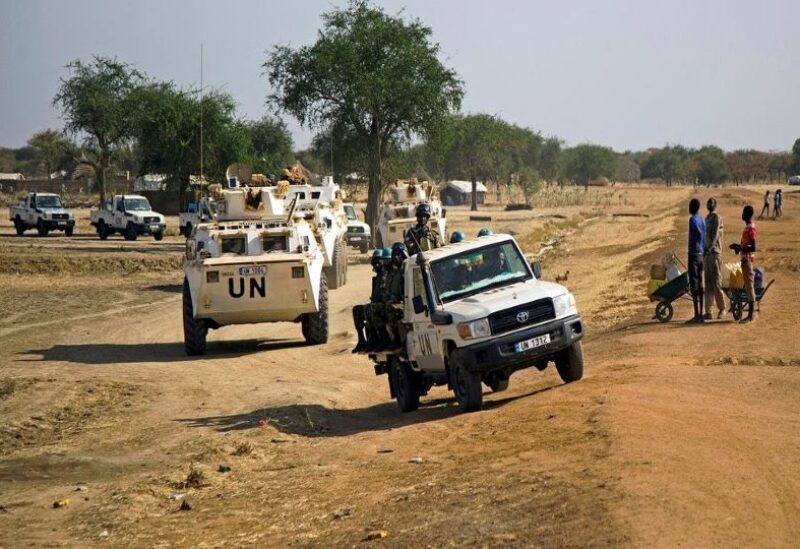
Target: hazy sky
[625, 73]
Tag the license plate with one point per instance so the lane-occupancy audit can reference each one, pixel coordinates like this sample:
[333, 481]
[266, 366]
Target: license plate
[250, 271]
[532, 343]
[62, 223]
[154, 227]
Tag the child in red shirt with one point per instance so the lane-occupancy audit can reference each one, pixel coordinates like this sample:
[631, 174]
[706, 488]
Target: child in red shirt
[747, 249]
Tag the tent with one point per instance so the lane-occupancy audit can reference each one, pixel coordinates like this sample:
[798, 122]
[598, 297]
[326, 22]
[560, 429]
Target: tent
[460, 192]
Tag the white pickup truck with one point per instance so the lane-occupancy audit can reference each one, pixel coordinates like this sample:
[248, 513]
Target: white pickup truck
[43, 212]
[475, 312]
[130, 215]
[358, 234]
[202, 211]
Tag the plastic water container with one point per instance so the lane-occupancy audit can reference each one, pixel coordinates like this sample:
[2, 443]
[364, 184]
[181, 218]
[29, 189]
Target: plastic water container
[758, 278]
[673, 272]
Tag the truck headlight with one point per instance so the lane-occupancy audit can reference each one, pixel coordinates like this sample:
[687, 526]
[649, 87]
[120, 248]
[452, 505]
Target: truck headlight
[476, 328]
[564, 305]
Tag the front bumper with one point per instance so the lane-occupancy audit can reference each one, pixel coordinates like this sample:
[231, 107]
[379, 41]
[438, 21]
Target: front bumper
[356, 239]
[499, 353]
[150, 228]
[58, 224]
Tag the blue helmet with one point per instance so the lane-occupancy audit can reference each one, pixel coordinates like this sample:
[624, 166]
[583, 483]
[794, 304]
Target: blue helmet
[387, 253]
[485, 232]
[399, 250]
[424, 210]
[377, 253]
[457, 236]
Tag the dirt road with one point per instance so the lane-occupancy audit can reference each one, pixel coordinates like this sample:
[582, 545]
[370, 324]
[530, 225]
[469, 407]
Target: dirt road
[678, 434]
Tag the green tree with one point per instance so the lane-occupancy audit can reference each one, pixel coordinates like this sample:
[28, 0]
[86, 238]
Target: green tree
[628, 170]
[96, 100]
[586, 162]
[667, 164]
[796, 155]
[272, 145]
[712, 166]
[55, 150]
[377, 74]
[550, 158]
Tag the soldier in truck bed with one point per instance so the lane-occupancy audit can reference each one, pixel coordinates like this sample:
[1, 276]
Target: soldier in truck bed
[362, 315]
[394, 296]
[420, 237]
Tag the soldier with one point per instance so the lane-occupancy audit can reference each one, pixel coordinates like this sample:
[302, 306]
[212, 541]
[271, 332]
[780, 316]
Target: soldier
[375, 312]
[420, 237]
[485, 232]
[457, 236]
[395, 295]
[360, 311]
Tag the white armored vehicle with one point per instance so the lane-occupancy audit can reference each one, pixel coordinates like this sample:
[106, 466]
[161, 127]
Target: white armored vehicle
[398, 213]
[43, 212]
[130, 215]
[257, 261]
[475, 312]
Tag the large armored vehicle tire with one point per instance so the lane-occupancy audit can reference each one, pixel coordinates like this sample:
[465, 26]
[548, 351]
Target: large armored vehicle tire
[130, 232]
[194, 331]
[466, 385]
[69, 230]
[406, 385]
[19, 226]
[569, 363]
[102, 230]
[363, 248]
[159, 235]
[41, 228]
[337, 271]
[315, 325]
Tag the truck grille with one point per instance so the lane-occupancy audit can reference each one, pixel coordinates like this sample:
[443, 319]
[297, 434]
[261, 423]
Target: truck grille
[60, 216]
[151, 220]
[355, 230]
[522, 315]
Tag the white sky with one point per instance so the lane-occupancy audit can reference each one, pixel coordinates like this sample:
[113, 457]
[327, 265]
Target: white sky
[625, 73]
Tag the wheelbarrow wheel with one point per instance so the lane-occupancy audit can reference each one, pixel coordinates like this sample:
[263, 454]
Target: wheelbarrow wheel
[737, 311]
[664, 311]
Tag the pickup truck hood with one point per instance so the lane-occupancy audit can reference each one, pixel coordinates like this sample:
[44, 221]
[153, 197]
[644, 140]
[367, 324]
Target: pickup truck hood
[483, 304]
[54, 210]
[358, 224]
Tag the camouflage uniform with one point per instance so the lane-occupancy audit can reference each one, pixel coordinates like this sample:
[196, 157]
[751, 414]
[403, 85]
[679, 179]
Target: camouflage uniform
[427, 238]
[395, 296]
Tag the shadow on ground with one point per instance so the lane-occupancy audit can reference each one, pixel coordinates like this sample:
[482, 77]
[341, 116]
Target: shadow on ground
[113, 353]
[314, 420]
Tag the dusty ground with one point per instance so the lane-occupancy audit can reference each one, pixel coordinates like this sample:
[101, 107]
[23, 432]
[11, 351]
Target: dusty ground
[677, 435]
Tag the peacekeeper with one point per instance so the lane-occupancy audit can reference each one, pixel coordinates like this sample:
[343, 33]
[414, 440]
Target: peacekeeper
[360, 312]
[457, 236]
[395, 296]
[485, 232]
[420, 237]
[377, 337]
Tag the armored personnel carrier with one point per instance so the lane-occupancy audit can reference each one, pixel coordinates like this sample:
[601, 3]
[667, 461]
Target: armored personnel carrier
[397, 214]
[257, 261]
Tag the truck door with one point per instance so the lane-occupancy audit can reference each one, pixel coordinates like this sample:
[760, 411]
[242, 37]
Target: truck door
[30, 210]
[422, 343]
[119, 213]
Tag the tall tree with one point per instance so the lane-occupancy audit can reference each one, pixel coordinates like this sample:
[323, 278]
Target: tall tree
[272, 144]
[667, 164]
[378, 74]
[549, 158]
[96, 100]
[586, 162]
[796, 155]
[55, 150]
[712, 167]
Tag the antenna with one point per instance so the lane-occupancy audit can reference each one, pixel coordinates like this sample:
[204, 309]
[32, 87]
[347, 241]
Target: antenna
[201, 118]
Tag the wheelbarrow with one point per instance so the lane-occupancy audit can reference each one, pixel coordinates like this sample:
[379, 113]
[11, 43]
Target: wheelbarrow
[667, 294]
[738, 299]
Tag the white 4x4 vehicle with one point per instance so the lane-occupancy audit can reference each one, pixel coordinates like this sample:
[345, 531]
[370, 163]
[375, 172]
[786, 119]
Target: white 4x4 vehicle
[130, 215]
[358, 233]
[475, 312]
[43, 212]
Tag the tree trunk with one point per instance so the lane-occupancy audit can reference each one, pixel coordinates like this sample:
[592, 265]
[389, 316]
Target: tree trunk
[375, 186]
[101, 175]
[474, 206]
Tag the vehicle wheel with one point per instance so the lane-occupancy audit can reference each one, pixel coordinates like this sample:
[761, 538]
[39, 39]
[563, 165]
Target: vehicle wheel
[19, 226]
[363, 248]
[466, 386]
[569, 363]
[335, 270]
[130, 232]
[159, 235]
[344, 262]
[102, 230]
[737, 311]
[69, 230]
[187, 231]
[41, 228]
[304, 326]
[664, 311]
[194, 331]
[541, 365]
[497, 382]
[406, 386]
[317, 332]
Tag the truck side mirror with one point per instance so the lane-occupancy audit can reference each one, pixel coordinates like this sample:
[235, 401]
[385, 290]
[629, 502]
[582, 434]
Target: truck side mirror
[537, 269]
[440, 318]
[418, 304]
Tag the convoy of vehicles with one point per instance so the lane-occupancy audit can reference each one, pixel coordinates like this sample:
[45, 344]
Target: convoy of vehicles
[397, 214]
[257, 261]
[129, 215]
[358, 233]
[476, 312]
[43, 212]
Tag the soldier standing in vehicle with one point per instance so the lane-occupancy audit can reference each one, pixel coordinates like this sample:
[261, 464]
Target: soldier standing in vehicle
[420, 237]
[377, 337]
[713, 261]
[362, 313]
[395, 294]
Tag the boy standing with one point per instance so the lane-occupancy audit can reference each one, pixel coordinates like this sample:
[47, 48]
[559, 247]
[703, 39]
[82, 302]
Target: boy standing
[713, 260]
[747, 249]
[697, 231]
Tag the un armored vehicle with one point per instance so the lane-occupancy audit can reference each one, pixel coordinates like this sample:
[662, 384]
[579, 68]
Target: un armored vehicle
[43, 212]
[257, 261]
[398, 213]
[475, 312]
[129, 215]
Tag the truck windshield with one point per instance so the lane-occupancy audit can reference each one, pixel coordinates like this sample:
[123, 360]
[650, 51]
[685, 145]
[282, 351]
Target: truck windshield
[350, 212]
[474, 271]
[48, 201]
[137, 205]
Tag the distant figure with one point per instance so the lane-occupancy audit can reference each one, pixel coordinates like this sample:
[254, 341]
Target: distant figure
[697, 232]
[766, 206]
[713, 260]
[747, 249]
[777, 209]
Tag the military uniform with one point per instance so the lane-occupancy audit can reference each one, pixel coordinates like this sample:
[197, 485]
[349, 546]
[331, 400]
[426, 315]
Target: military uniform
[421, 238]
